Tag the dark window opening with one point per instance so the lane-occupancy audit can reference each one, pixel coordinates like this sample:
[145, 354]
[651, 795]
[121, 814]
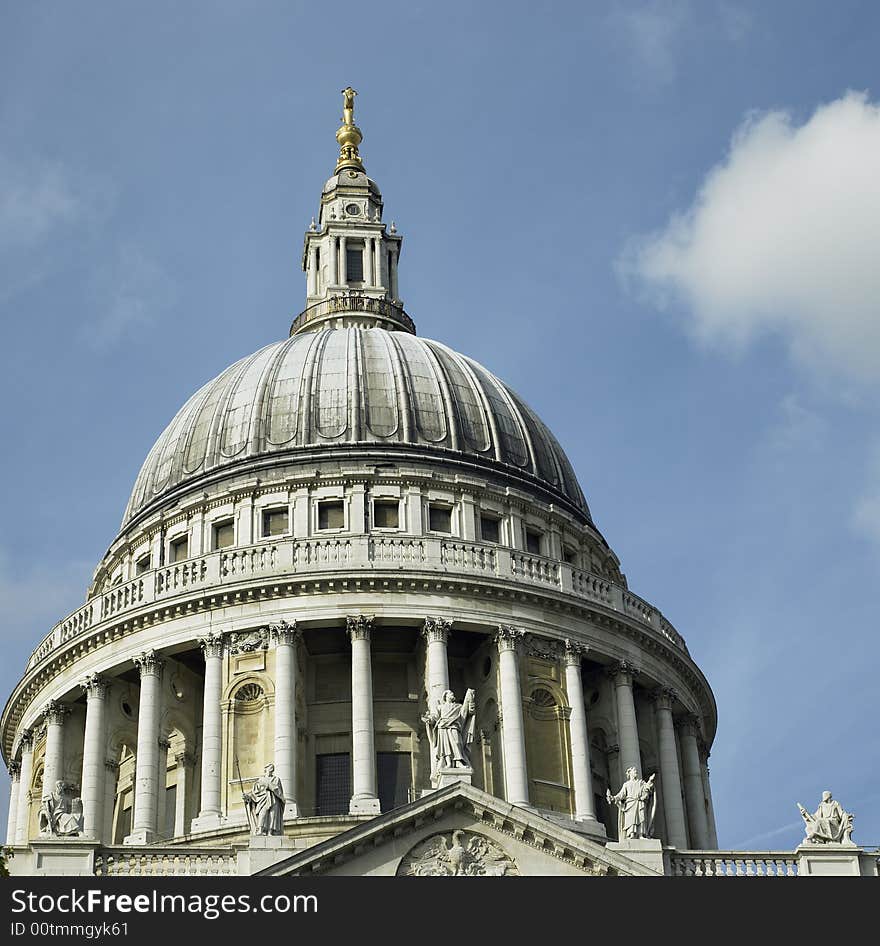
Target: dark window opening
[143, 564]
[354, 264]
[533, 542]
[275, 522]
[490, 529]
[224, 534]
[386, 514]
[331, 515]
[179, 550]
[170, 810]
[332, 783]
[569, 556]
[394, 773]
[439, 518]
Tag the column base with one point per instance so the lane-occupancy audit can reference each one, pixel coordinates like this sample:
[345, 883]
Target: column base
[145, 836]
[210, 821]
[365, 805]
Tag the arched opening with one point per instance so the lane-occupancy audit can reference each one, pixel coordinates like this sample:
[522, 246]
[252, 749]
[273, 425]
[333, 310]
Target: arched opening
[547, 749]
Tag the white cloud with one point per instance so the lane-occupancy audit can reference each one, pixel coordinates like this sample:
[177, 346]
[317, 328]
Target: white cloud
[782, 238]
[35, 199]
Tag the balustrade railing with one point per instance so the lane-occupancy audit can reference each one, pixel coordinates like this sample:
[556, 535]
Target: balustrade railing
[174, 862]
[292, 556]
[733, 864]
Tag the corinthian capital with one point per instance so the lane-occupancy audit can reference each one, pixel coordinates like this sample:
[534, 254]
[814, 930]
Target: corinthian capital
[149, 664]
[54, 712]
[664, 697]
[95, 686]
[284, 632]
[507, 637]
[359, 626]
[26, 740]
[436, 629]
[212, 645]
[574, 653]
[14, 770]
[622, 672]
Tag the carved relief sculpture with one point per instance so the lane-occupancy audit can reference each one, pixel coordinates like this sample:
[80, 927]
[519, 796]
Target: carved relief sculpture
[637, 803]
[829, 824]
[457, 854]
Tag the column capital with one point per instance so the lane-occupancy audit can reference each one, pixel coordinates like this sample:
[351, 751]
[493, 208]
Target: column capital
[26, 740]
[164, 743]
[211, 645]
[14, 770]
[95, 686]
[149, 663]
[664, 697]
[437, 630]
[546, 648]
[704, 750]
[507, 637]
[359, 626]
[284, 632]
[622, 672]
[574, 653]
[184, 759]
[55, 711]
[111, 765]
[689, 724]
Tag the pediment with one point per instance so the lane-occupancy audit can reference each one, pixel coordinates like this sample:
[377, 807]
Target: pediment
[458, 830]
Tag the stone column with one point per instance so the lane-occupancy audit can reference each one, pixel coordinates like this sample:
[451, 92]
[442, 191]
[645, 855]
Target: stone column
[146, 788]
[707, 794]
[286, 636]
[368, 262]
[393, 280]
[673, 809]
[333, 248]
[15, 785]
[512, 730]
[343, 263]
[23, 810]
[183, 762]
[377, 262]
[313, 270]
[436, 634]
[212, 735]
[627, 729]
[580, 740]
[693, 783]
[94, 779]
[364, 798]
[53, 764]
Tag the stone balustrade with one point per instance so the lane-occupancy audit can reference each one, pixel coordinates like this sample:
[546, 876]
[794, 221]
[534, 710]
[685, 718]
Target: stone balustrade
[733, 864]
[307, 556]
[164, 862]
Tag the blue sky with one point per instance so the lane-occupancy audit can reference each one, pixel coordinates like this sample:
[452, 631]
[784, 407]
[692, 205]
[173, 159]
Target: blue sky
[659, 222]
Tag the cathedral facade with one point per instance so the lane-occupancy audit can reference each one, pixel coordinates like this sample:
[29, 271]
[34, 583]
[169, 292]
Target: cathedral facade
[358, 619]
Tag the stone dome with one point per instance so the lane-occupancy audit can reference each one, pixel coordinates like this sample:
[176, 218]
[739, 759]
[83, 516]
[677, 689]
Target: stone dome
[361, 388]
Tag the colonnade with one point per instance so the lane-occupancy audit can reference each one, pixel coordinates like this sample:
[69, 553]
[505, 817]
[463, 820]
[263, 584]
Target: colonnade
[683, 771]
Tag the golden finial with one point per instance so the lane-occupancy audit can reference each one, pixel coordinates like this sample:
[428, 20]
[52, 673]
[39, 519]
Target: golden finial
[349, 135]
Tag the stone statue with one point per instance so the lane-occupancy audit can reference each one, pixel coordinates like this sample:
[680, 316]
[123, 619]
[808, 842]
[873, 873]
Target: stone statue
[265, 803]
[61, 814]
[451, 727]
[829, 824]
[637, 804]
[348, 95]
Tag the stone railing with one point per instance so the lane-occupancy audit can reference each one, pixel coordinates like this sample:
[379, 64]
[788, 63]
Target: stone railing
[164, 862]
[733, 864]
[284, 556]
[349, 303]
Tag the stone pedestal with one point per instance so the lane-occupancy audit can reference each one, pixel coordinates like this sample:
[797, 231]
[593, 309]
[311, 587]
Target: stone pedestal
[832, 860]
[72, 857]
[645, 851]
[445, 776]
[263, 851]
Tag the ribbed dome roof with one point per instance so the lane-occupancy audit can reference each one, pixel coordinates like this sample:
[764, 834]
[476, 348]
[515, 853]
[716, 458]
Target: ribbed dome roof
[346, 386]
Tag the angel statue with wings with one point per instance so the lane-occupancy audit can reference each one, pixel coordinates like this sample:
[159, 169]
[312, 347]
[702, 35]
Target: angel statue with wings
[450, 726]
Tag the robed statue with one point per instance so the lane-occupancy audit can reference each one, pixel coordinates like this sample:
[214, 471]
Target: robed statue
[829, 824]
[61, 813]
[451, 727]
[265, 803]
[637, 804]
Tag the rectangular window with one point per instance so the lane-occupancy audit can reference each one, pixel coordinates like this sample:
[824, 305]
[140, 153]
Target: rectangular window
[394, 774]
[224, 534]
[178, 550]
[143, 564]
[490, 529]
[533, 542]
[275, 522]
[332, 783]
[331, 514]
[439, 518]
[354, 264]
[569, 556]
[386, 514]
[170, 810]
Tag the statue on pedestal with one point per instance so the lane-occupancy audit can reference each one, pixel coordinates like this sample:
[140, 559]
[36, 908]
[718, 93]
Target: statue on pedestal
[265, 804]
[829, 824]
[637, 804]
[61, 813]
[451, 727]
